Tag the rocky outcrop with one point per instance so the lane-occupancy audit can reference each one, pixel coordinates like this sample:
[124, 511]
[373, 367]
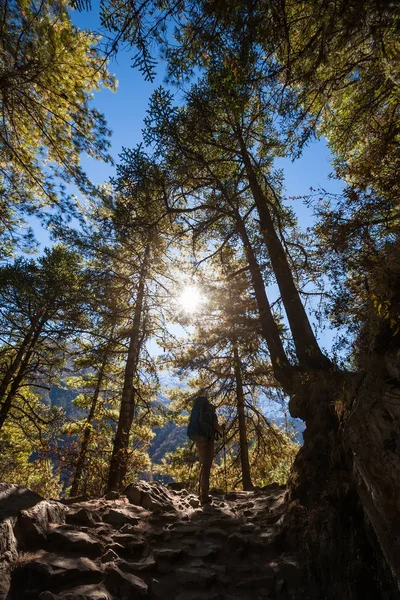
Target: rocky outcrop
[153, 542]
[373, 436]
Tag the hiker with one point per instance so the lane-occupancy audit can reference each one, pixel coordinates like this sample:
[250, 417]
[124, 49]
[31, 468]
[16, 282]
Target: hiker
[203, 425]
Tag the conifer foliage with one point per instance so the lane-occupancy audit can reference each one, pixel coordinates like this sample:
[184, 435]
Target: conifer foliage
[201, 203]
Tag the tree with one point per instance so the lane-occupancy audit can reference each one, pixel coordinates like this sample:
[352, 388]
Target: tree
[42, 308]
[49, 69]
[139, 236]
[225, 329]
[219, 149]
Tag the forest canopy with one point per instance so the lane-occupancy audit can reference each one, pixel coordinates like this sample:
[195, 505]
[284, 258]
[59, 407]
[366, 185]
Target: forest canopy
[193, 248]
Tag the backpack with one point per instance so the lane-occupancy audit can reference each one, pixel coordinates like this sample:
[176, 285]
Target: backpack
[202, 419]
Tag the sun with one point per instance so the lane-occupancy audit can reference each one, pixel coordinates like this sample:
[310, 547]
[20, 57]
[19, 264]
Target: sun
[190, 299]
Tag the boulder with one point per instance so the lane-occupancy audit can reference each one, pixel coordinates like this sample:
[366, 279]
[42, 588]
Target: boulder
[149, 496]
[265, 582]
[118, 518]
[198, 595]
[134, 546]
[109, 556]
[206, 551]
[74, 541]
[34, 523]
[195, 576]
[146, 564]
[81, 592]
[8, 543]
[113, 495]
[14, 498]
[168, 553]
[82, 517]
[176, 486]
[194, 502]
[129, 528]
[47, 571]
[124, 585]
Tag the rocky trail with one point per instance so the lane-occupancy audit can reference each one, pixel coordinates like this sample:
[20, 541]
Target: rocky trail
[152, 542]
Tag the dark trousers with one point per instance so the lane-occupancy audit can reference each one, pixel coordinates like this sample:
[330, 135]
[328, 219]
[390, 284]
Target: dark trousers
[205, 448]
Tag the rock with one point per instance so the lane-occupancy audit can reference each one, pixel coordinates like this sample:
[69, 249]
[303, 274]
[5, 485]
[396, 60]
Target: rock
[134, 546]
[225, 521]
[8, 553]
[8, 543]
[165, 587]
[134, 494]
[164, 566]
[34, 523]
[149, 496]
[74, 541]
[207, 551]
[49, 571]
[146, 564]
[117, 549]
[249, 504]
[272, 487]
[113, 495]
[238, 539]
[176, 486]
[81, 592]
[125, 538]
[124, 585]
[266, 582]
[129, 528]
[201, 577]
[73, 500]
[216, 532]
[109, 556]
[14, 498]
[286, 568]
[217, 492]
[166, 517]
[118, 518]
[81, 517]
[209, 595]
[168, 553]
[249, 528]
[184, 529]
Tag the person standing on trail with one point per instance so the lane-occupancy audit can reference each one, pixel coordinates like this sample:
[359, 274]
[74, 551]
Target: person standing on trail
[203, 425]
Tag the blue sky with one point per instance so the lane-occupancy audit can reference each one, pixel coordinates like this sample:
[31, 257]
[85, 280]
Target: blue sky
[126, 108]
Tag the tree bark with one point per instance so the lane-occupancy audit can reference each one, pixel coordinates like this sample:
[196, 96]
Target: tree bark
[119, 459]
[244, 446]
[307, 348]
[269, 328]
[87, 431]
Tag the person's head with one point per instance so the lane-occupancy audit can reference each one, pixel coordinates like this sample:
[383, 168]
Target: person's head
[202, 397]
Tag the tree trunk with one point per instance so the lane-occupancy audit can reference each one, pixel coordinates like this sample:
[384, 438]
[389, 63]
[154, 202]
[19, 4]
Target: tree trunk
[307, 348]
[244, 446]
[87, 431]
[269, 328]
[119, 459]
